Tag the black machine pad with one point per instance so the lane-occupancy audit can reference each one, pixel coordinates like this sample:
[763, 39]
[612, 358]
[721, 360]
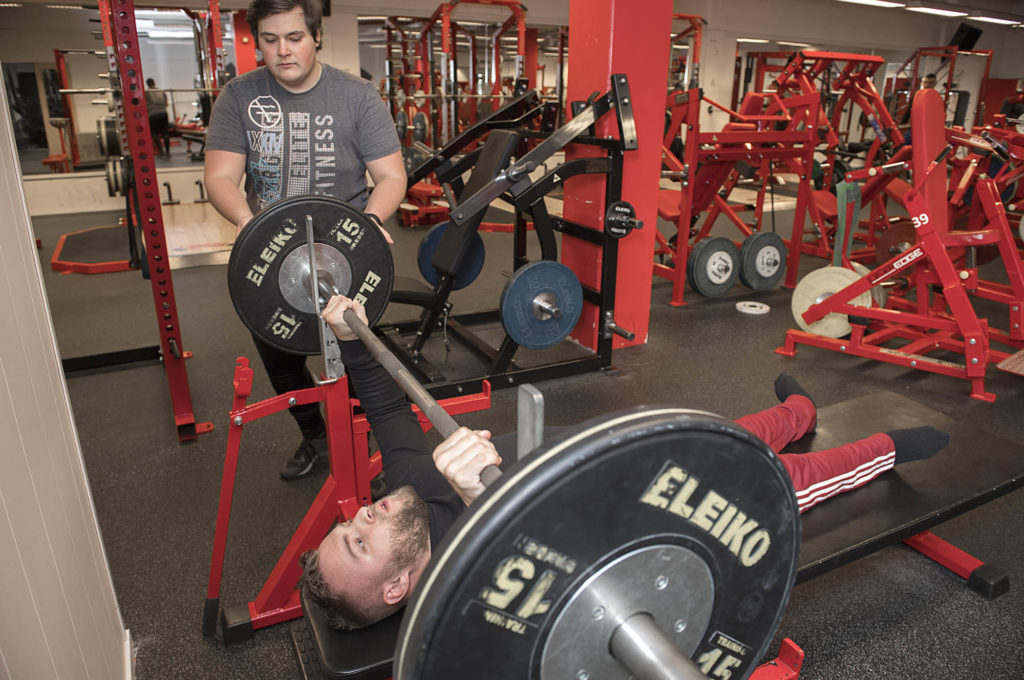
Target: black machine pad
[975, 468]
[324, 652]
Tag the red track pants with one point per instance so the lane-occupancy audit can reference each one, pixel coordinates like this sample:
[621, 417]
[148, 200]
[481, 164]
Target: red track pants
[820, 474]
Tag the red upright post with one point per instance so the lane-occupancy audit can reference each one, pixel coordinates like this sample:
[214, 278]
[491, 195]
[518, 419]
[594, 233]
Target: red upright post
[530, 57]
[140, 147]
[636, 43]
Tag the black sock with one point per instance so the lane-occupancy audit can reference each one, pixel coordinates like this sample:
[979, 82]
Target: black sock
[786, 386]
[916, 443]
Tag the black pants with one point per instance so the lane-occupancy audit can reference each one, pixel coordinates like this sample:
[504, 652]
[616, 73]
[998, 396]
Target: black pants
[288, 372]
[160, 129]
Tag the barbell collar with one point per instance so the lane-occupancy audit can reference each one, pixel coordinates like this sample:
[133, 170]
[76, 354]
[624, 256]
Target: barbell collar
[544, 307]
[648, 654]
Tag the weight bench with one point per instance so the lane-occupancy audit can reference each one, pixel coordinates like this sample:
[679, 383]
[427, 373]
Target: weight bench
[901, 505]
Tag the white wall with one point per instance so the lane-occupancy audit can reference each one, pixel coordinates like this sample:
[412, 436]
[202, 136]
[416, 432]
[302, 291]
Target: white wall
[341, 41]
[59, 617]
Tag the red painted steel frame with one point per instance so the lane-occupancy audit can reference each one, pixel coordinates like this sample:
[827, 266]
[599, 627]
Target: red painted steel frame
[610, 37]
[927, 326]
[346, 489]
[140, 147]
[707, 171]
[948, 555]
[72, 267]
[64, 82]
[949, 54]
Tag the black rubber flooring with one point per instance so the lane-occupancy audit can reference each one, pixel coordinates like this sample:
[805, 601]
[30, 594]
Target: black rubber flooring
[894, 614]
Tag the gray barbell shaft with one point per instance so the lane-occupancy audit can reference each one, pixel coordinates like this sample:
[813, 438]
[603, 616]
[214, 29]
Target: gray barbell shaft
[445, 424]
[648, 654]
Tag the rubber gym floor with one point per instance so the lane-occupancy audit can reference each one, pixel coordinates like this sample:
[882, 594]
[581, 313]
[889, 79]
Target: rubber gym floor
[893, 614]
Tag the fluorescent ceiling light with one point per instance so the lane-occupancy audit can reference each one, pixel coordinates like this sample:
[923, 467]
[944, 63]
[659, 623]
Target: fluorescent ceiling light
[752, 40]
[371, 18]
[680, 47]
[935, 9]
[173, 35]
[792, 44]
[64, 7]
[876, 3]
[10, 4]
[991, 18]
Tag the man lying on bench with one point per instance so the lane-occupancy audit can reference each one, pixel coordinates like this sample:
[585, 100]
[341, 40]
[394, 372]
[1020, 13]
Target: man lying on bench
[365, 569]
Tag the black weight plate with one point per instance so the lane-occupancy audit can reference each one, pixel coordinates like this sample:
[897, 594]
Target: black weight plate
[762, 260]
[473, 264]
[413, 159]
[547, 281]
[669, 479]
[401, 125]
[351, 253]
[715, 267]
[617, 213]
[691, 261]
[419, 127]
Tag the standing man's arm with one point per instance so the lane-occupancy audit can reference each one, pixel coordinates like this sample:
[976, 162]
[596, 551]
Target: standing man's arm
[222, 176]
[389, 184]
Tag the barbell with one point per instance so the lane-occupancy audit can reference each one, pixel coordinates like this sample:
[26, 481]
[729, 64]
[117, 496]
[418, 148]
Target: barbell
[269, 270]
[656, 543]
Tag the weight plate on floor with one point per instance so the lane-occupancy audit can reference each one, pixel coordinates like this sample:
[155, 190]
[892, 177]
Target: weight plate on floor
[473, 262]
[268, 272]
[818, 286]
[715, 266]
[750, 307]
[541, 304]
[762, 260]
[691, 261]
[676, 513]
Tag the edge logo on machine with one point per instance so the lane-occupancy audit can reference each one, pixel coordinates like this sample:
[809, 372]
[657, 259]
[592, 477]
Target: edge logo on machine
[265, 111]
[673, 490]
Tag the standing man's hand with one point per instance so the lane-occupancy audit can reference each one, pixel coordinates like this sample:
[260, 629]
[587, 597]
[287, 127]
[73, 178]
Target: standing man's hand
[462, 457]
[334, 312]
[380, 225]
[241, 224]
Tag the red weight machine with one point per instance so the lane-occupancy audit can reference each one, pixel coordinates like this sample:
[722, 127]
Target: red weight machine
[939, 266]
[851, 76]
[764, 132]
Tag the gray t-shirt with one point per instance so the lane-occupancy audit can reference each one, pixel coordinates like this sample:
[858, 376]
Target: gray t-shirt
[316, 142]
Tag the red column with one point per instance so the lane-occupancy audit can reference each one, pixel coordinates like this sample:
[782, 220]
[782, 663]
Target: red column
[530, 57]
[245, 44]
[636, 43]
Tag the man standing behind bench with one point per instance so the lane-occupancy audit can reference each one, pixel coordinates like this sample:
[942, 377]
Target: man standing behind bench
[296, 127]
[365, 569]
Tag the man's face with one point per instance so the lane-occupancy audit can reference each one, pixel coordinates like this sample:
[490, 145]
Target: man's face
[360, 556]
[289, 50]
[928, 83]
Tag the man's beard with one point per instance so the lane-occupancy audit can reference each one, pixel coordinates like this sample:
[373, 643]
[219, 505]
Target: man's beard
[410, 530]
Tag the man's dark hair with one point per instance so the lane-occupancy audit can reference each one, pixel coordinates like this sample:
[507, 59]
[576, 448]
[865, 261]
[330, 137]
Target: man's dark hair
[340, 613]
[930, 75]
[261, 9]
